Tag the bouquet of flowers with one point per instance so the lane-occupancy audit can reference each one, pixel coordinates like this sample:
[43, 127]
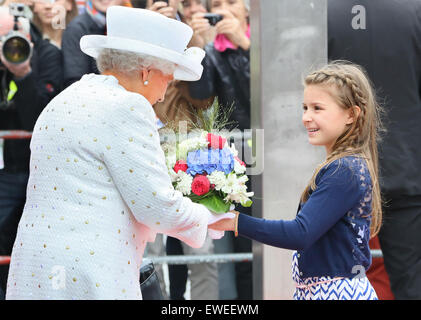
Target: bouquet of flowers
[205, 167]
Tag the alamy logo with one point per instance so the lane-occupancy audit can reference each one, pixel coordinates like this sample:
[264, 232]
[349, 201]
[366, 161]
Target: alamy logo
[359, 20]
[59, 20]
[359, 272]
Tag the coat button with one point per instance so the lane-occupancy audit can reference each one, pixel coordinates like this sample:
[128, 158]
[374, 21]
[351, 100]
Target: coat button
[301, 273]
[298, 255]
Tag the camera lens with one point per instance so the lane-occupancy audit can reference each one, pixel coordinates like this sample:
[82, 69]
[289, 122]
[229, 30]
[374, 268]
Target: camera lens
[16, 49]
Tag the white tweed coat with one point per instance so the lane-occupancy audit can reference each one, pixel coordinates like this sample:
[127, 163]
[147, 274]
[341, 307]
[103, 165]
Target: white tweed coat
[98, 191]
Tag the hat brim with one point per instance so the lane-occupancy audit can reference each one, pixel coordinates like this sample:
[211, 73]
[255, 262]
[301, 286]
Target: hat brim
[186, 69]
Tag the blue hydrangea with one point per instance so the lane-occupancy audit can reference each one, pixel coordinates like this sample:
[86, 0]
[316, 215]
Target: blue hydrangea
[209, 160]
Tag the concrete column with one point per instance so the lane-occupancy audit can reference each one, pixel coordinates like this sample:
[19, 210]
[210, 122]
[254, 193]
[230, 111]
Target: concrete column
[288, 39]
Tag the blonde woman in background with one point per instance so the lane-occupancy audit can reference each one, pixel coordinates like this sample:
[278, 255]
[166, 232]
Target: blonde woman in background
[52, 16]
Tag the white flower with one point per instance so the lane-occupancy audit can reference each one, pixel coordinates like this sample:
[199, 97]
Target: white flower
[236, 189]
[242, 198]
[230, 183]
[173, 175]
[185, 146]
[170, 154]
[168, 147]
[170, 160]
[184, 182]
[218, 178]
[233, 149]
[239, 168]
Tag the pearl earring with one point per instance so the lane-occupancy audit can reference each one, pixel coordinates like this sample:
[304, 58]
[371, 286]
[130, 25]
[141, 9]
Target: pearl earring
[146, 82]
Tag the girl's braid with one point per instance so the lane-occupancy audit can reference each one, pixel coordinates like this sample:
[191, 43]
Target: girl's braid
[343, 79]
[351, 140]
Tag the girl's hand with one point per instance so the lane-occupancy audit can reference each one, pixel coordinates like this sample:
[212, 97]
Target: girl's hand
[232, 28]
[225, 224]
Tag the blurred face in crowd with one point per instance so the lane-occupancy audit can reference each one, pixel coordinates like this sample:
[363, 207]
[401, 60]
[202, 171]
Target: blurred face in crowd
[46, 10]
[190, 7]
[236, 7]
[103, 5]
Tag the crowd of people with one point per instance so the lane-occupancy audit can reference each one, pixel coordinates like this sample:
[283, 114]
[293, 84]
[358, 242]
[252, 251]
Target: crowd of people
[54, 31]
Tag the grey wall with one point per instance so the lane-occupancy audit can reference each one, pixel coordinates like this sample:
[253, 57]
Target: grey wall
[289, 38]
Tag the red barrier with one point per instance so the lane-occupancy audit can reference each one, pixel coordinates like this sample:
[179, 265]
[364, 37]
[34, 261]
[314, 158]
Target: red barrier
[4, 260]
[15, 134]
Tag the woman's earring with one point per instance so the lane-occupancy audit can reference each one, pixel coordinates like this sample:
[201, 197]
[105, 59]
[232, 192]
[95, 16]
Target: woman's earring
[146, 82]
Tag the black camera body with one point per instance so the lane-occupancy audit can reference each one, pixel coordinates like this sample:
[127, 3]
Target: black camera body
[16, 48]
[213, 18]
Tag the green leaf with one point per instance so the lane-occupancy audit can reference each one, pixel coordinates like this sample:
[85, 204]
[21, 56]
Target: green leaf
[215, 204]
[247, 204]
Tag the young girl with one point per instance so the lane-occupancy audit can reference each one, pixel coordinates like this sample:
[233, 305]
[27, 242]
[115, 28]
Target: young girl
[341, 206]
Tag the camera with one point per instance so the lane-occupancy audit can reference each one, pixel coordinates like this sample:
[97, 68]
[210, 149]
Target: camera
[17, 9]
[15, 46]
[213, 18]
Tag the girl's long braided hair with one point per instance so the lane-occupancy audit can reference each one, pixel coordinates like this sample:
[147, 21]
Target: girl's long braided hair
[349, 86]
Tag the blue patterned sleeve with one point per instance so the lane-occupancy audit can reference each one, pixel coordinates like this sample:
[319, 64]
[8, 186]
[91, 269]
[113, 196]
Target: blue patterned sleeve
[338, 191]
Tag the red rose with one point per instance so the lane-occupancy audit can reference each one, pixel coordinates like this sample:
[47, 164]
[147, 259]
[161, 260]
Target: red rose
[200, 185]
[241, 162]
[215, 142]
[181, 165]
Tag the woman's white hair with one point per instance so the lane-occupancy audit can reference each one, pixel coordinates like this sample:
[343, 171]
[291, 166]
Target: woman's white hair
[128, 62]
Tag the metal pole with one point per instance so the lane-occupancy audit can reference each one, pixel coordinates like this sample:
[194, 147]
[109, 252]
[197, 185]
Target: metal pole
[288, 38]
[196, 259]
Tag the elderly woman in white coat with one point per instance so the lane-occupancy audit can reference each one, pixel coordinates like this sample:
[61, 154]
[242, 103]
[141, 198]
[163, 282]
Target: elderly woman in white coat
[99, 188]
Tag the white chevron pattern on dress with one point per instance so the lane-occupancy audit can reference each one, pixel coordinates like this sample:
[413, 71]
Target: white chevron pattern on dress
[341, 289]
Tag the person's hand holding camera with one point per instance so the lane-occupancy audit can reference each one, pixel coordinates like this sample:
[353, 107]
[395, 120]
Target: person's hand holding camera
[202, 31]
[19, 70]
[199, 23]
[163, 8]
[232, 28]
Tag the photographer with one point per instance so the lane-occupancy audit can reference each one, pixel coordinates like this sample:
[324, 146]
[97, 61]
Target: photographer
[226, 71]
[25, 89]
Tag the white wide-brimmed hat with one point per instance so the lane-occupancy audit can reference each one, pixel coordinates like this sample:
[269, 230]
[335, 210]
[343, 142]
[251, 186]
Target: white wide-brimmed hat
[149, 34]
